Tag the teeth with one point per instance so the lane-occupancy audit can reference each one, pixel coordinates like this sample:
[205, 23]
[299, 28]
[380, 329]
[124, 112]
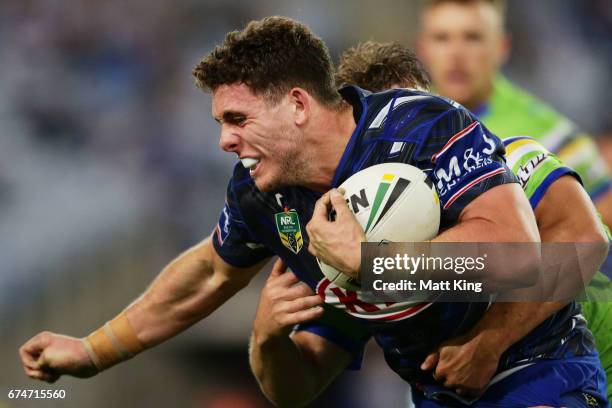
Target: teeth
[249, 162]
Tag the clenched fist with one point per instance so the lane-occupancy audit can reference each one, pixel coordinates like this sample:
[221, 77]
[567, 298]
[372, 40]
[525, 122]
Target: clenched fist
[47, 356]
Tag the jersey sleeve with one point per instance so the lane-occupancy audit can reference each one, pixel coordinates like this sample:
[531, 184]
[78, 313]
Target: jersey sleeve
[535, 167]
[466, 160]
[341, 329]
[232, 239]
[581, 154]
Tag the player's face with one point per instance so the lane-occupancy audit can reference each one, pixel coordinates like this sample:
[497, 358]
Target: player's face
[463, 47]
[262, 135]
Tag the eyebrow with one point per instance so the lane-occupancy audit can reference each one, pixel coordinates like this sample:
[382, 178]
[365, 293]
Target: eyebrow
[231, 117]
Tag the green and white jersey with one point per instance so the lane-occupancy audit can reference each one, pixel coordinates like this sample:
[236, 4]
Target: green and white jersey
[537, 169]
[512, 111]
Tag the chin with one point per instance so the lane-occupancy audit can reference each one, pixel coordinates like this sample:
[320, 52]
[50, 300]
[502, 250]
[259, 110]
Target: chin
[264, 188]
[266, 185]
[274, 179]
[463, 95]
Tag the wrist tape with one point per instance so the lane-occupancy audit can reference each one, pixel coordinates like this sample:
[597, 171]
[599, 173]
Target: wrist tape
[112, 343]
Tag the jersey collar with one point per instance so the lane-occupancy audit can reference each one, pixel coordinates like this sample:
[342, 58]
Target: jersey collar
[481, 110]
[357, 98]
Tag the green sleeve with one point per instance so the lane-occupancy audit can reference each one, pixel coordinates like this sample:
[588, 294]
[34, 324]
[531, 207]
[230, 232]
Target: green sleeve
[512, 111]
[535, 167]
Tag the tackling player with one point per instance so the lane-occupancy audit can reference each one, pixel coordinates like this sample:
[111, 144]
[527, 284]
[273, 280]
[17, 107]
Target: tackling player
[543, 176]
[469, 361]
[524, 156]
[463, 44]
[296, 137]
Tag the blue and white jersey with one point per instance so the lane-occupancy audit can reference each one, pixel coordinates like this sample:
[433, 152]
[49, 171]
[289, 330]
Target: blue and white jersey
[462, 159]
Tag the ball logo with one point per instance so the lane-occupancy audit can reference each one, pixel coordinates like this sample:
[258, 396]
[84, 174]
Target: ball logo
[391, 201]
[355, 201]
[400, 186]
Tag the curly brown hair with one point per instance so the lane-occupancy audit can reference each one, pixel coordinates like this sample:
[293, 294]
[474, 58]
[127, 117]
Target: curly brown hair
[378, 66]
[271, 56]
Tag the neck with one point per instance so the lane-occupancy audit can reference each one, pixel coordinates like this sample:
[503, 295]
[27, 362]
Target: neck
[479, 99]
[334, 128]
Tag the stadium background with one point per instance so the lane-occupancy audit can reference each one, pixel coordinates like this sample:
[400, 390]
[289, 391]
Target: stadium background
[109, 167]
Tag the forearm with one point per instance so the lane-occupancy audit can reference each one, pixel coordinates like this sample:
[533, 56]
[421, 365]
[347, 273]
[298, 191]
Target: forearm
[512, 253]
[566, 215]
[285, 376]
[505, 323]
[468, 362]
[186, 291]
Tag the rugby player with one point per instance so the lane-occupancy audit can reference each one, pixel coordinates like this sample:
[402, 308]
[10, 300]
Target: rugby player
[296, 137]
[463, 44]
[375, 66]
[469, 361]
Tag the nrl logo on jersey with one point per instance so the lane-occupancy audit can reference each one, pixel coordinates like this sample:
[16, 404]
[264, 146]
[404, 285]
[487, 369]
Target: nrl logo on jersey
[288, 226]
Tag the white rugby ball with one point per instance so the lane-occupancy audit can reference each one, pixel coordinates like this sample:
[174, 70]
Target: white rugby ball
[391, 201]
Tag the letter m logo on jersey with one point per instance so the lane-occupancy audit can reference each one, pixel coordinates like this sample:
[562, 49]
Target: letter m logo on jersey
[288, 226]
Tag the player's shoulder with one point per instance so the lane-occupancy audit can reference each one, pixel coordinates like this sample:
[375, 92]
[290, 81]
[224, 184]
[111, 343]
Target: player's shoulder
[528, 142]
[425, 101]
[511, 100]
[377, 108]
[523, 150]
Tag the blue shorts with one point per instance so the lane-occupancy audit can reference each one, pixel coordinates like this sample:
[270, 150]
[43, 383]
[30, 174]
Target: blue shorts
[574, 383]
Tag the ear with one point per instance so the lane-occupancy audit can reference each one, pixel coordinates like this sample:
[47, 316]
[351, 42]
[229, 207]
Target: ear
[505, 49]
[301, 103]
[418, 47]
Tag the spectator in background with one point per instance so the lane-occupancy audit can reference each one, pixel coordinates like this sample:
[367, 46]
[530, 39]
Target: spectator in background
[463, 44]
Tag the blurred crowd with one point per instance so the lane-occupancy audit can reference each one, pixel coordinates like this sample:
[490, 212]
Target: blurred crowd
[104, 139]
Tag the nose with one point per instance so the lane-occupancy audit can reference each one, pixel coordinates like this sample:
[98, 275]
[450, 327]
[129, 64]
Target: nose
[458, 48]
[229, 140]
